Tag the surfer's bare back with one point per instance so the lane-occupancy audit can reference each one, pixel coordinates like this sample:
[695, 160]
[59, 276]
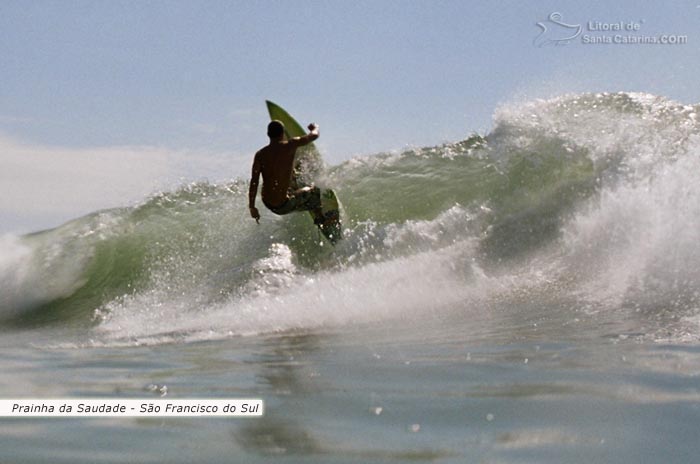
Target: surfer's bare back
[275, 162]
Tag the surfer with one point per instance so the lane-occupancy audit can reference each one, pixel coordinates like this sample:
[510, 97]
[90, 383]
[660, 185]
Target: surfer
[275, 162]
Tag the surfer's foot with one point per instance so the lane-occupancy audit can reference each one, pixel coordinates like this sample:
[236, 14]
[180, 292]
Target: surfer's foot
[324, 220]
[320, 221]
[318, 216]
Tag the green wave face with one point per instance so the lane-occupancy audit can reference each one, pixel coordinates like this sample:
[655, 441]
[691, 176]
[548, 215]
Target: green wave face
[566, 189]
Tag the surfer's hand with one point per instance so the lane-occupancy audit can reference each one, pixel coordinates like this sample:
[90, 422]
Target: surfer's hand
[255, 214]
[313, 127]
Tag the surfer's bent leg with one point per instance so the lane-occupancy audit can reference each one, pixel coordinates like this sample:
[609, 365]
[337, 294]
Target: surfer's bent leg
[304, 199]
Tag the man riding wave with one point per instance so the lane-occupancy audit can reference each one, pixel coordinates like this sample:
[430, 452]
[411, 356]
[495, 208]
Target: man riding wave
[275, 162]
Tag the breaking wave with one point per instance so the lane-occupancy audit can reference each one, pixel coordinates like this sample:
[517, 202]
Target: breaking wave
[591, 200]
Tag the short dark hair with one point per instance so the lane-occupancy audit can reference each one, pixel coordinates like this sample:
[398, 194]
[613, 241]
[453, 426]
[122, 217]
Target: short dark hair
[275, 129]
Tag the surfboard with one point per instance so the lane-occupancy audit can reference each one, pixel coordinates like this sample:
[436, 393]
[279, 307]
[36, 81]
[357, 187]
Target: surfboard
[307, 167]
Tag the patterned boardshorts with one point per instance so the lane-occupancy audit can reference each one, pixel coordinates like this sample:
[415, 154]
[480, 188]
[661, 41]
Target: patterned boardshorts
[308, 199]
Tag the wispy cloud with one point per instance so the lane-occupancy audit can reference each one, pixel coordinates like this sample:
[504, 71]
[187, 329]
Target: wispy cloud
[9, 119]
[56, 182]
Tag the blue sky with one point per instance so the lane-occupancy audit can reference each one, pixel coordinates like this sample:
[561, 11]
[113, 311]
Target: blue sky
[121, 80]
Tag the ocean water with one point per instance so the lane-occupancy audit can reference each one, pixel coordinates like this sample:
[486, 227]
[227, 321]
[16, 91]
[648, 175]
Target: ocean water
[529, 295]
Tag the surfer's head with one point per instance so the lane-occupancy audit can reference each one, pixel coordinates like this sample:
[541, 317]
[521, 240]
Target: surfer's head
[275, 129]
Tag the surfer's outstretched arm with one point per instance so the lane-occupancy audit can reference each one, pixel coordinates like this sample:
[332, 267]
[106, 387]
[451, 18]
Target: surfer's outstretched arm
[253, 191]
[308, 138]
